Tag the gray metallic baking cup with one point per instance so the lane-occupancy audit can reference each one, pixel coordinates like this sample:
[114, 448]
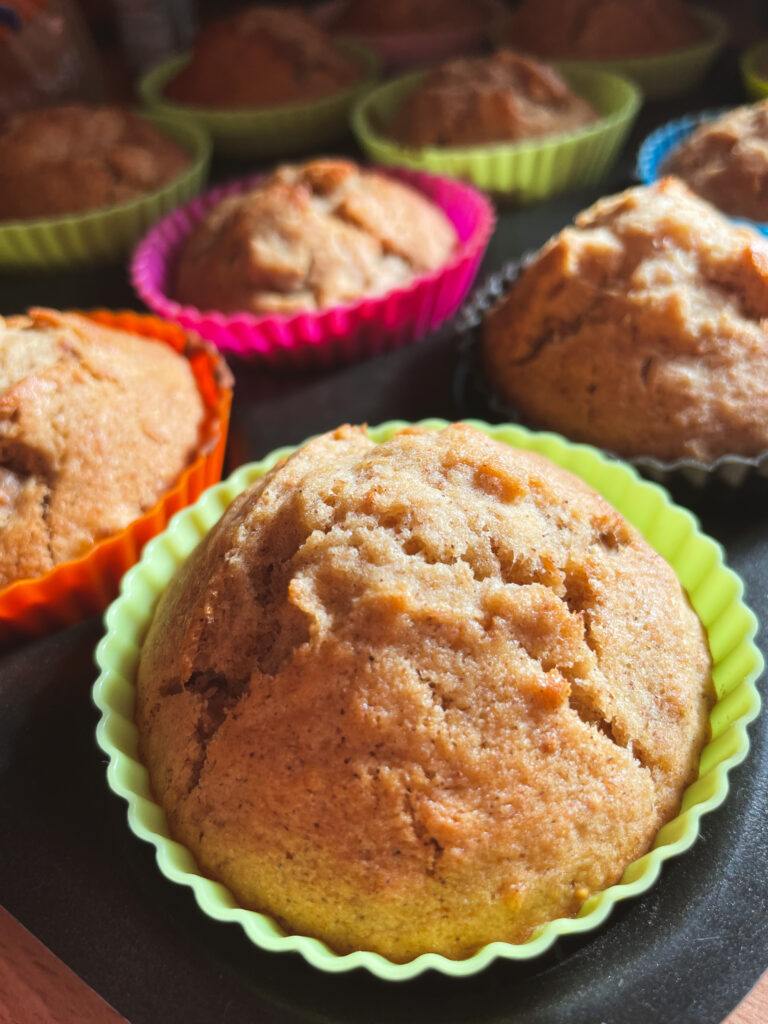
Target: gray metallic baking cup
[729, 471]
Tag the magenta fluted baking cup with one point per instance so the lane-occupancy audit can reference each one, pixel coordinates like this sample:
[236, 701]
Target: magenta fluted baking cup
[341, 333]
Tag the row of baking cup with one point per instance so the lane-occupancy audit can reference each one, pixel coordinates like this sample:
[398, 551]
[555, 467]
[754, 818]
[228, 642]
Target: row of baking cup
[660, 76]
[86, 585]
[104, 235]
[337, 334]
[526, 171]
[754, 70]
[661, 144]
[715, 593]
[262, 132]
[472, 389]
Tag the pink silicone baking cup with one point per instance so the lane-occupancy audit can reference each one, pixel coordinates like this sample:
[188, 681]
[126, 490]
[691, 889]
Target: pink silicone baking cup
[338, 334]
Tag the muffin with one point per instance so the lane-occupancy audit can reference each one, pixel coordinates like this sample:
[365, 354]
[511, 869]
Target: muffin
[74, 158]
[311, 236]
[371, 17]
[603, 29]
[726, 161]
[642, 328]
[502, 98]
[95, 425]
[262, 57]
[435, 673]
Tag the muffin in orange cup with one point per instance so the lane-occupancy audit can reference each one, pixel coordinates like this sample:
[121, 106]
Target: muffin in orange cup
[103, 437]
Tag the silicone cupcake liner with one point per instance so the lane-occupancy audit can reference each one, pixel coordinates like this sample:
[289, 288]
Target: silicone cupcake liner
[662, 142]
[104, 235]
[754, 70]
[715, 593]
[525, 171]
[664, 75]
[86, 585]
[341, 333]
[402, 50]
[729, 471]
[265, 131]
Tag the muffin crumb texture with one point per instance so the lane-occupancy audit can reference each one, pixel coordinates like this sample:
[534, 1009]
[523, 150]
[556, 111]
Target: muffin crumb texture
[95, 424]
[311, 236]
[420, 695]
[726, 161]
[262, 57]
[74, 158]
[503, 98]
[642, 328]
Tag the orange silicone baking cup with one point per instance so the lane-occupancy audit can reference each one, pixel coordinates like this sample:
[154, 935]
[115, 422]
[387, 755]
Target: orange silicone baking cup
[86, 585]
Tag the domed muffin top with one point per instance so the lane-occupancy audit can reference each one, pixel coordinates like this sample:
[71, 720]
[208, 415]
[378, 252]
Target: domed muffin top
[262, 57]
[502, 98]
[642, 328]
[435, 673]
[73, 158]
[311, 236]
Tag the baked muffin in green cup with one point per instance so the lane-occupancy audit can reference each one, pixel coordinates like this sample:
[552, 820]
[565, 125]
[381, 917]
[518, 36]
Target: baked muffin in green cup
[423, 666]
[265, 82]
[88, 200]
[509, 124]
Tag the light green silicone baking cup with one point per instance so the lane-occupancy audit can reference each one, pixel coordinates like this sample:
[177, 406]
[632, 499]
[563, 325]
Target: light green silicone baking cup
[754, 70]
[267, 131]
[525, 171]
[105, 235]
[715, 593]
[661, 76]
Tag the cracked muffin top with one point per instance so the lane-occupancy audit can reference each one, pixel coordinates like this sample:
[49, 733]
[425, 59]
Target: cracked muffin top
[262, 57]
[502, 98]
[73, 158]
[435, 672]
[311, 236]
[95, 425]
[726, 161]
[396, 16]
[603, 29]
[642, 328]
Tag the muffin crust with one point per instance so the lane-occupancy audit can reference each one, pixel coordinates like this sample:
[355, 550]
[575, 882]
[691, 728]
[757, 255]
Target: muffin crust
[95, 424]
[642, 328]
[310, 236]
[435, 673]
[502, 98]
[73, 158]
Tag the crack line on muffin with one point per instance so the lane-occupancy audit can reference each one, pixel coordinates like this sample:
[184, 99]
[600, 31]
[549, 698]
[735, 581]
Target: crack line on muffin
[219, 695]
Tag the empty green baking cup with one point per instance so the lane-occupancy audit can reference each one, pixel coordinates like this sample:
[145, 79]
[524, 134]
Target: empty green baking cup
[529, 170]
[754, 70]
[715, 593]
[262, 132]
[105, 235]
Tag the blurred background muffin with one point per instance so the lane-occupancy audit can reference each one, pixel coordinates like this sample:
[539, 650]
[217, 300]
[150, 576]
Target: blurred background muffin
[643, 328]
[501, 98]
[311, 236]
[726, 161]
[73, 158]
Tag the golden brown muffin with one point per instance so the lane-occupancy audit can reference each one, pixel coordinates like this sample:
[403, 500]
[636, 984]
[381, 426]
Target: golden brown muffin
[95, 425]
[726, 161]
[69, 159]
[262, 57]
[643, 328]
[502, 98]
[603, 29]
[396, 16]
[310, 236]
[436, 673]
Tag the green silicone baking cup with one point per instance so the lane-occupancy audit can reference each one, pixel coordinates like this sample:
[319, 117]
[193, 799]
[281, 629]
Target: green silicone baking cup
[661, 76]
[105, 235]
[266, 131]
[715, 592]
[526, 171]
[754, 70]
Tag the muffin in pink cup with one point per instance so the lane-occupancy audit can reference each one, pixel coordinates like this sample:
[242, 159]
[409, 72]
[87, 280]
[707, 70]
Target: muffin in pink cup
[316, 264]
